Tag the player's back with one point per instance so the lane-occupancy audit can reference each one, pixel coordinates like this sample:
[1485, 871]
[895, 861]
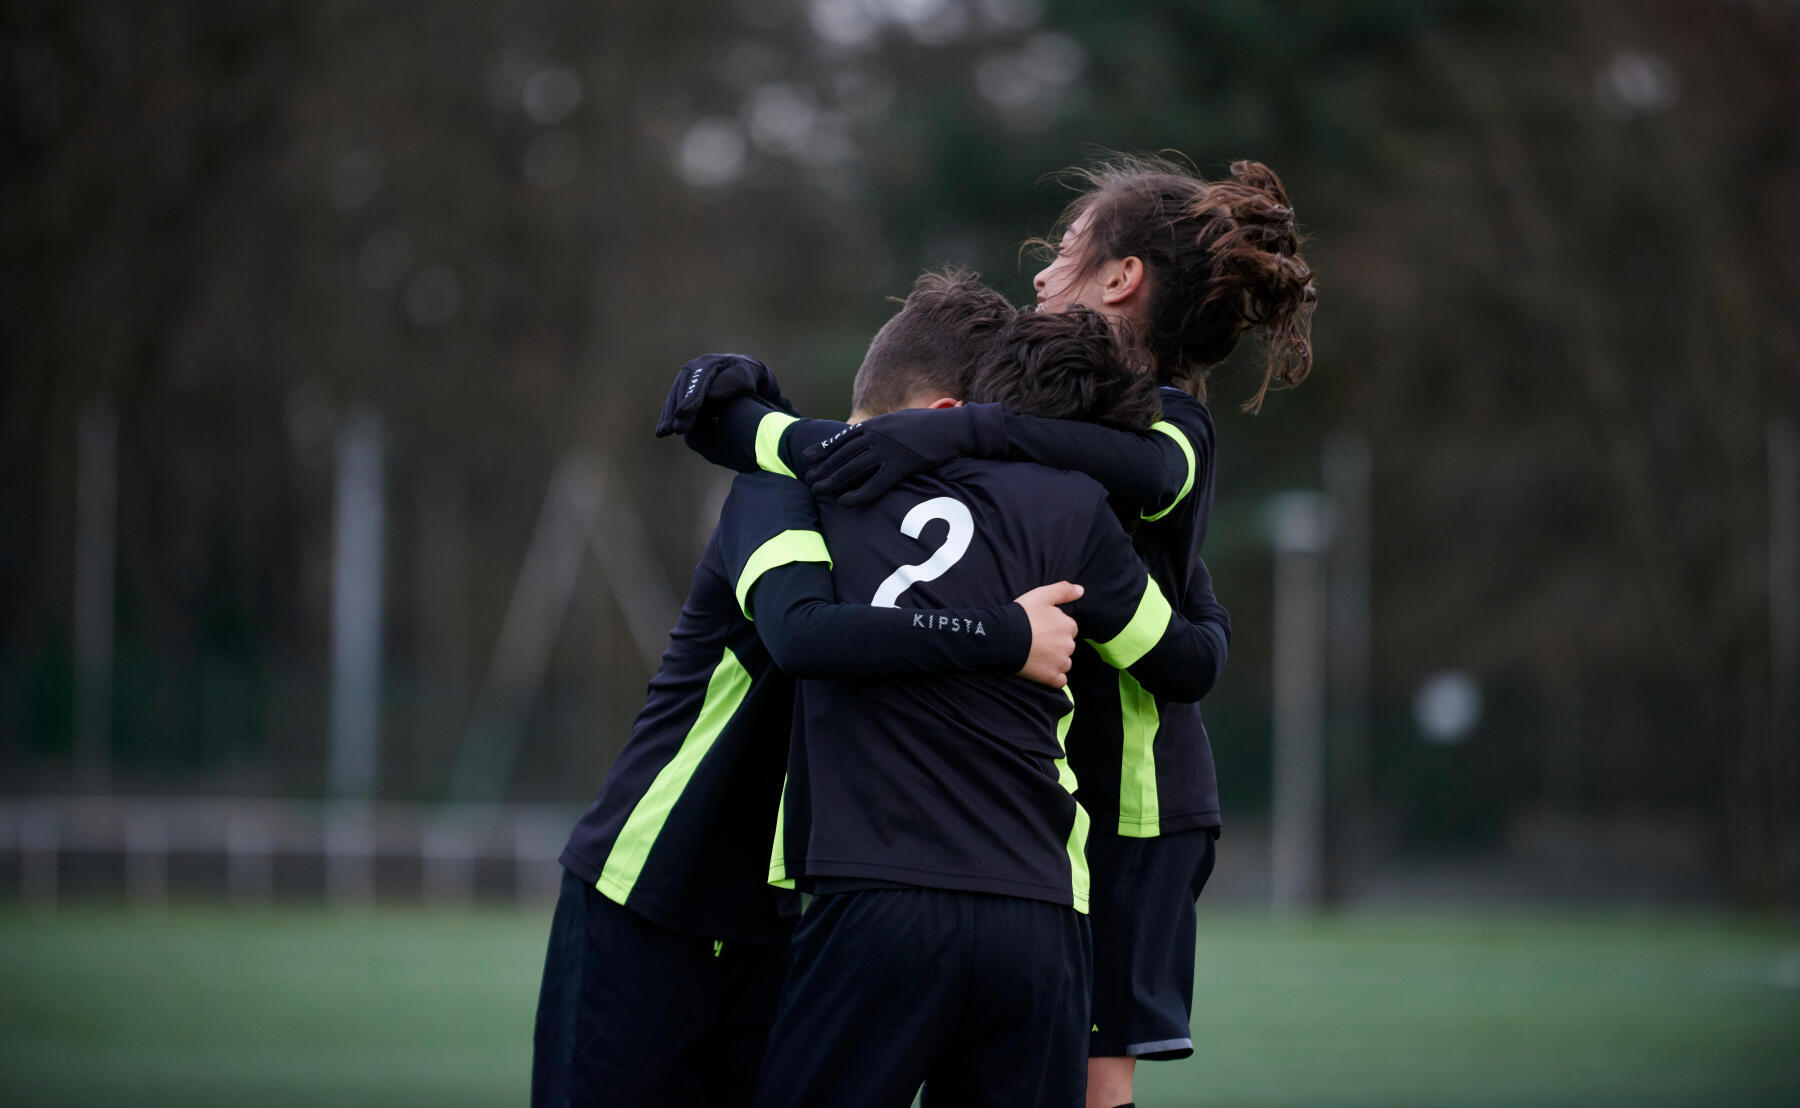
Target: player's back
[957, 781]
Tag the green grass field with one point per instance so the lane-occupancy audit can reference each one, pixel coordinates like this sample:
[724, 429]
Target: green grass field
[401, 1007]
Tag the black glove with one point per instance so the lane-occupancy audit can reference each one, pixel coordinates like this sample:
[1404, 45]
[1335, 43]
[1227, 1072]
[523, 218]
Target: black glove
[725, 432]
[713, 377]
[877, 454]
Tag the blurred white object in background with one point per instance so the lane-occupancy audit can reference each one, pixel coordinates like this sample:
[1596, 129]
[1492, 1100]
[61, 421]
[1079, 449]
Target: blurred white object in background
[1447, 706]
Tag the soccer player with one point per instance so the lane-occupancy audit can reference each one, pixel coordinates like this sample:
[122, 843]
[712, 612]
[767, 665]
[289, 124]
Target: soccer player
[933, 818]
[1185, 268]
[667, 947]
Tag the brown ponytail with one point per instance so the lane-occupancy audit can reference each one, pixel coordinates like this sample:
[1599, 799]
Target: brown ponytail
[1222, 257]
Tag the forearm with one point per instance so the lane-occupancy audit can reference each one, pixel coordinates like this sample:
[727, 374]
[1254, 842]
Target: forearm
[1143, 470]
[789, 442]
[1186, 662]
[748, 433]
[809, 635]
[1176, 655]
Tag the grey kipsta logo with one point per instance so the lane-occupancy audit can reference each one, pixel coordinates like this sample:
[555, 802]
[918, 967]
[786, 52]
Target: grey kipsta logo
[948, 623]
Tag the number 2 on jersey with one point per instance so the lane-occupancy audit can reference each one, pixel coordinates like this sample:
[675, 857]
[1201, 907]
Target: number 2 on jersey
[956, 544]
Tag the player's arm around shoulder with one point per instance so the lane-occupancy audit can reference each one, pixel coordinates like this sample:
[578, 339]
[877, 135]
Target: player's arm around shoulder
[730, 410]
[752, 435]
[1150, 471]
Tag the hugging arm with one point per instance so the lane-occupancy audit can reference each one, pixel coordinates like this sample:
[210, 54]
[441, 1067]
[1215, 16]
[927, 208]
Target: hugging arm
[1126, 618]
[780, 572]
[810, 635]
[749, 434]
[1151, 471]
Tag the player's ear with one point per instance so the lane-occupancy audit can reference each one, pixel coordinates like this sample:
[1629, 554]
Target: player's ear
[944, 402]
[1122, 280]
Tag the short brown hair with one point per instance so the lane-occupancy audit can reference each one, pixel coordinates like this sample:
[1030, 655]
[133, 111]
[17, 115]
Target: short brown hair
[1065, 366]
[945, 326]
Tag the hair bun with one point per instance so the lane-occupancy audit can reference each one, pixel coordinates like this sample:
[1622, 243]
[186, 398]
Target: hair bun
[1259, 176]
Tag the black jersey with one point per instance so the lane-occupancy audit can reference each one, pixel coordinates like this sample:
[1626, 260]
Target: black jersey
[961, 781]
[680, 830]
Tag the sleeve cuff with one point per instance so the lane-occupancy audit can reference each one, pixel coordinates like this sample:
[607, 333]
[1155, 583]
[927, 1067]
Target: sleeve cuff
[1015, 637]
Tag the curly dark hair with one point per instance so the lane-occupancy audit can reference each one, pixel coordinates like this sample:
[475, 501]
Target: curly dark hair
[1222, 258]
[1065, 366]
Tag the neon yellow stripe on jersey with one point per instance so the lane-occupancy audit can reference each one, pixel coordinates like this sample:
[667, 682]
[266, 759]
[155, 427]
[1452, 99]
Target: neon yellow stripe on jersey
[778, 874]
[784, 549]
[1187, 451]
[1140, 815]
[768, 442]
[724, 693]
[1145, 630]
[1077, 844]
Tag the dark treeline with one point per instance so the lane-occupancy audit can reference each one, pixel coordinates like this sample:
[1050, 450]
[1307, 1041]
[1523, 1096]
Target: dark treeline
[1560, 299]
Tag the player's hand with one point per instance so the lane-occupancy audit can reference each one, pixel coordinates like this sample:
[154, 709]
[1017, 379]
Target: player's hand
[1052, 633]
[713, 377]
[877, 454]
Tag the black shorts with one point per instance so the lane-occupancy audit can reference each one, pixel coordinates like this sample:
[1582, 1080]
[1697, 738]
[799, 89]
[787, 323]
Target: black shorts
[631, 1013]
[981, 999]
[1142, 905]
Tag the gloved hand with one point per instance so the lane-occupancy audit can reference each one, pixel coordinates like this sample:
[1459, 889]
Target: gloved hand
[877, 454]
[712, 377]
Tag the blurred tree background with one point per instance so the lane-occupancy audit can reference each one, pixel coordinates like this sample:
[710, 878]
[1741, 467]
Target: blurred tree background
[1559, 284]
